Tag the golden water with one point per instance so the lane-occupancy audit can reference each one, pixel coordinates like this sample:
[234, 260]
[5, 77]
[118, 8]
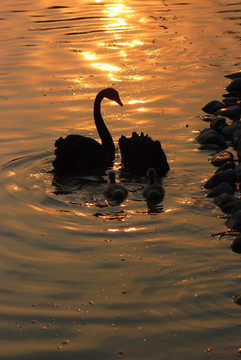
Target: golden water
[81, 279]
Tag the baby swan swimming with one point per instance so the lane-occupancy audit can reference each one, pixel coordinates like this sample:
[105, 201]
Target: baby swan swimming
[114, 191]
[154, 193]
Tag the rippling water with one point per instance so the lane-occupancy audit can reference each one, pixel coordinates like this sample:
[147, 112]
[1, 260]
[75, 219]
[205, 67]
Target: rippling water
[81, 279]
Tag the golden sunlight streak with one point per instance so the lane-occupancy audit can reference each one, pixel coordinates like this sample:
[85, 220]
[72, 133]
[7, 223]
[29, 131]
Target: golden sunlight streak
[109, 68]
[120, 22]
[122, 53]
[136, 102]
[37, 208]
[88, 55]
[78, 213]
[142, 110]
[131, 229]
[169, 210]
[137, 42]
[105, 67]
[14, 187]
[116, 19]
[111, 76]
[113, 10]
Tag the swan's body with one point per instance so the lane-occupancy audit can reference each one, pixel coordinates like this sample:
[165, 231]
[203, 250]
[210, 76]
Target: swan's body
[154, 193]
[77, 153]
[115, 191]
[140, 152]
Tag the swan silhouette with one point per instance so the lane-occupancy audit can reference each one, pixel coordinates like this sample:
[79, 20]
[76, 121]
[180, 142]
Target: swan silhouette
[153, 192]
[115, 191]
[77, 153]
[140, 152]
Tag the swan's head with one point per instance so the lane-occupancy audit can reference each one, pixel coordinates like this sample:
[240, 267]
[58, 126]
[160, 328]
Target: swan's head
[111, 177]
[113, 95]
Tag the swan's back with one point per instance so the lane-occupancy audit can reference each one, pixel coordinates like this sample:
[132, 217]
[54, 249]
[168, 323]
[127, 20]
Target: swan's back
[77, 153]
[140, 152]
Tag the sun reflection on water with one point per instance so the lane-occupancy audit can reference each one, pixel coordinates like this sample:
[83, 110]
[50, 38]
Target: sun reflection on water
[88, 55]
[14, 187]
[113, 10]
[106, 67]
[116, 19]
[130, 229]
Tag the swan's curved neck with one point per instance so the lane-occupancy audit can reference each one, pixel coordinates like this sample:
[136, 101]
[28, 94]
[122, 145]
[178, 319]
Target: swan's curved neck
[104, 133]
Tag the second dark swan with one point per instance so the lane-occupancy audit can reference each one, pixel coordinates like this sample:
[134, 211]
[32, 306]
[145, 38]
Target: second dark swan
[140, 152]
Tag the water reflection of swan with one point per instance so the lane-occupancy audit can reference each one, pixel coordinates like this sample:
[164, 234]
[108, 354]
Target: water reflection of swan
[115, 191]
[77, 153]
[140, 152]
[154, 193]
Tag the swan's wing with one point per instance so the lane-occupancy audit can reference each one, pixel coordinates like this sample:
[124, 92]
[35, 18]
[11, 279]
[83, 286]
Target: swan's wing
[140, 152]
[77, 153]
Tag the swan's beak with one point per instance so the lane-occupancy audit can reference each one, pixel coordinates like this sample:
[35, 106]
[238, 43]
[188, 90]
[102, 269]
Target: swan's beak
[119, 102]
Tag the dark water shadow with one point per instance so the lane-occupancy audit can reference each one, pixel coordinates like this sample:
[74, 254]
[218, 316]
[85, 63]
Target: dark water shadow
[154, 209]
[69, 184]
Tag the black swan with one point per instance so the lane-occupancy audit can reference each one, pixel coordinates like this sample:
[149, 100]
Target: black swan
[115, 191]
[140, 152]
[153, 192]
[77, 153]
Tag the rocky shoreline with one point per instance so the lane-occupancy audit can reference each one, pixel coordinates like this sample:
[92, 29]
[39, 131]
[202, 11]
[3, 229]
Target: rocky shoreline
[223, 137]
